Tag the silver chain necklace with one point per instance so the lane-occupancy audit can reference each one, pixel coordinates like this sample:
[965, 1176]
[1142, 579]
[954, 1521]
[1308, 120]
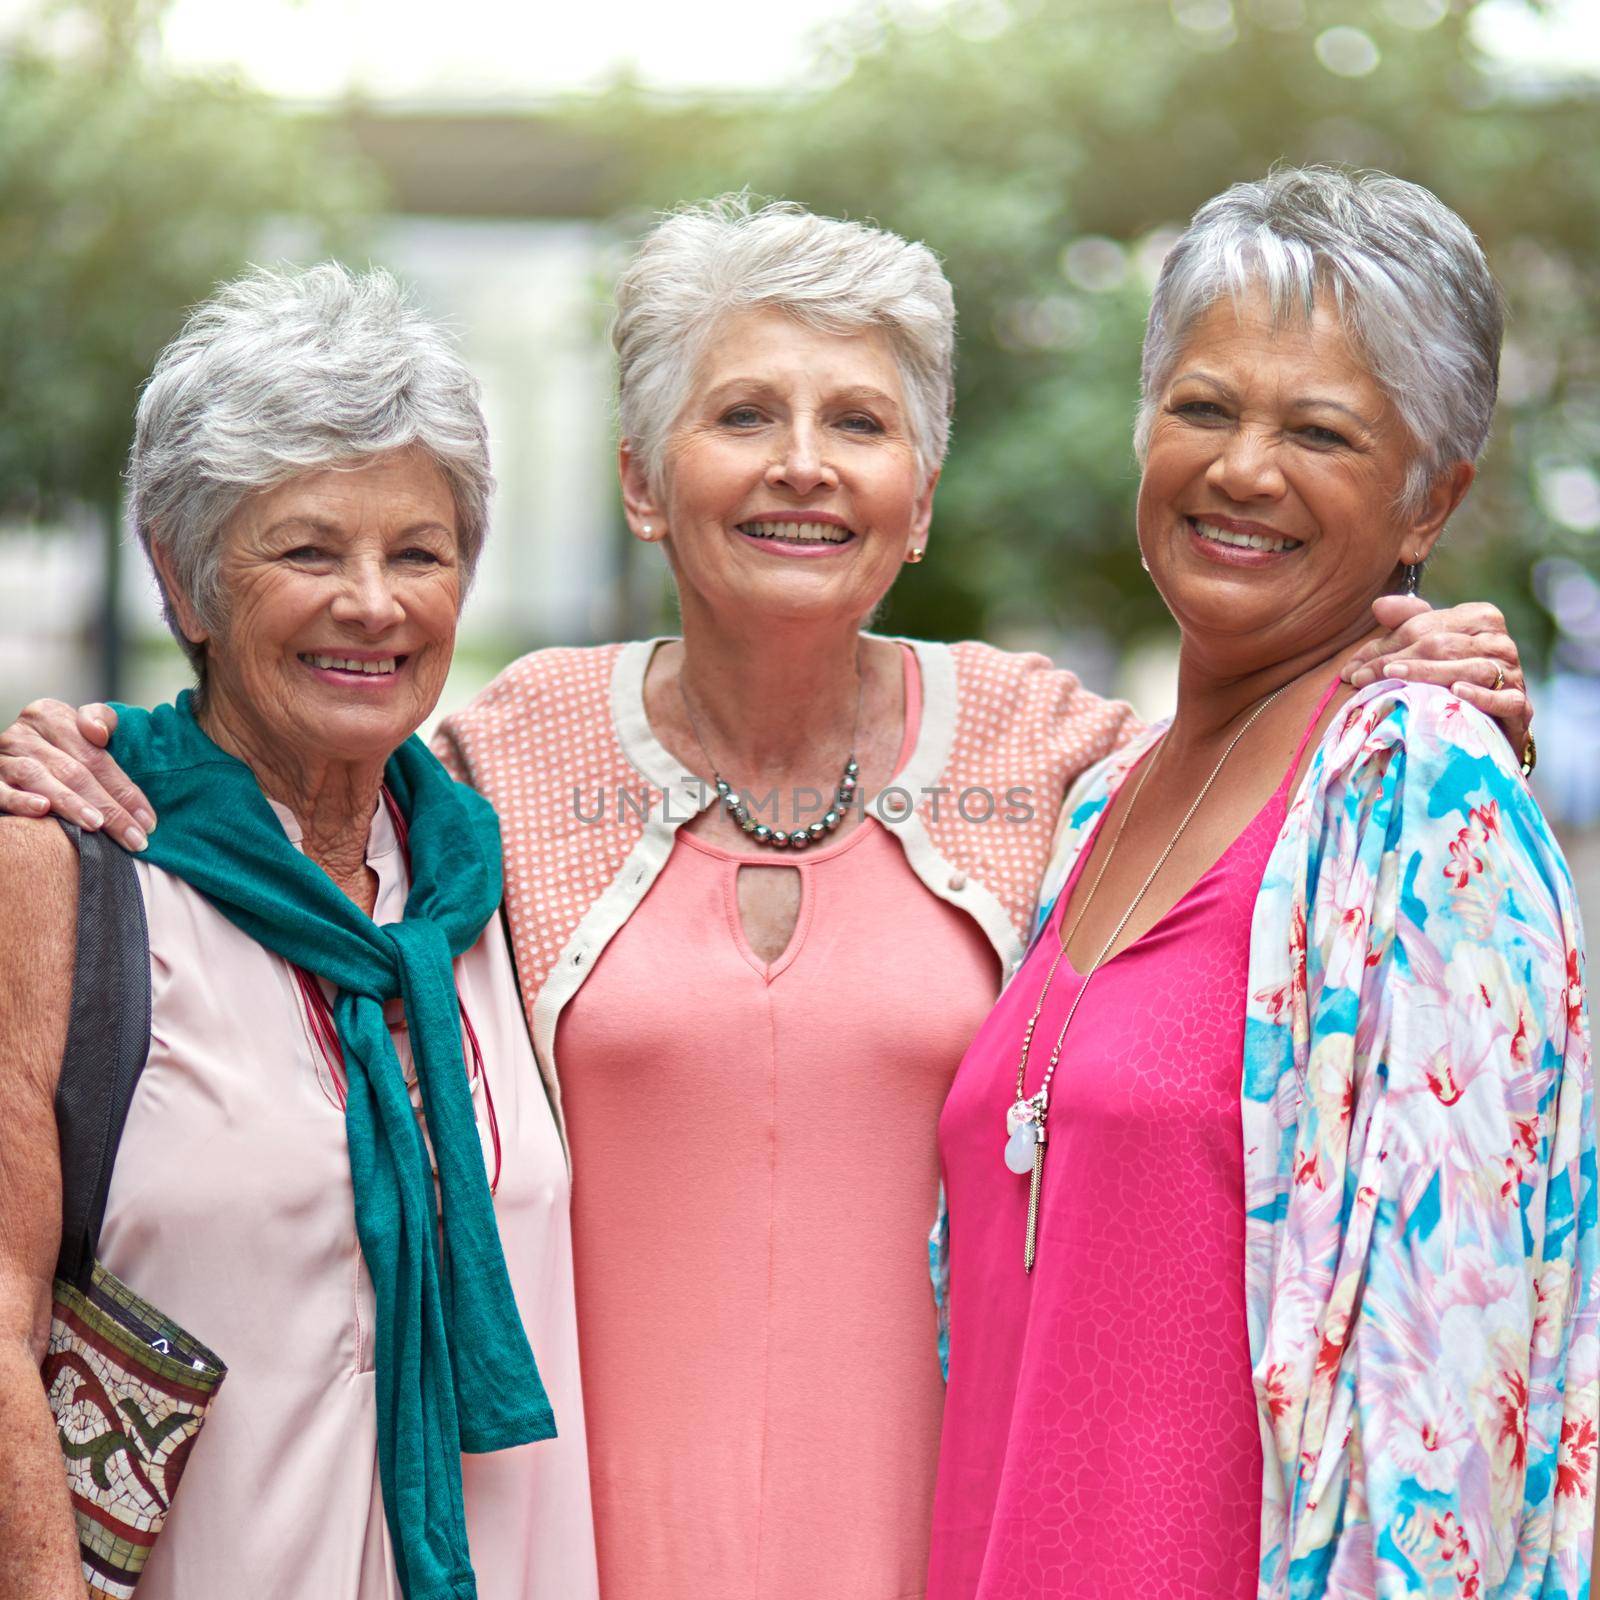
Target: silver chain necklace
[778, 838]
[1025, 1117]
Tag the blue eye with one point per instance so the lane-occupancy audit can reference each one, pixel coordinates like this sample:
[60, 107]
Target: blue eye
[857, 423]
[742, 417]
[1199, 410]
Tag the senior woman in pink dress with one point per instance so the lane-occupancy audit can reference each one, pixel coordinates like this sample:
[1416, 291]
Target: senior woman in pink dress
[1290, 1288]
[763, 882]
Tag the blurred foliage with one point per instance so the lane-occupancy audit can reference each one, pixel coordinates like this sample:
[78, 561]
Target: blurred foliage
[1049, 150]
[126, 193]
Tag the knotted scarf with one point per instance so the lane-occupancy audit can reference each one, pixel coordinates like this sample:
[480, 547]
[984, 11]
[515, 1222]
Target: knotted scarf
[453, 1367]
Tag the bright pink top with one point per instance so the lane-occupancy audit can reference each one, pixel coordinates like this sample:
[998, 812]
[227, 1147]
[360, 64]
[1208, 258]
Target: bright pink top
[1100, 1438]
[754, 1168]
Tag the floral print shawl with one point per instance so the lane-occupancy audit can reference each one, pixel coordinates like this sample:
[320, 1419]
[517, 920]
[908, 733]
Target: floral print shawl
[1419, 1156]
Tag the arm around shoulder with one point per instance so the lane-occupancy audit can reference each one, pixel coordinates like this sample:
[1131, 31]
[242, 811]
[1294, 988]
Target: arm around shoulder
[38, 931]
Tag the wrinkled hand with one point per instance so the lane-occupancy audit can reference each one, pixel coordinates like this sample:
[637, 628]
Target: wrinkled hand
[1464, 649]
[53, 758]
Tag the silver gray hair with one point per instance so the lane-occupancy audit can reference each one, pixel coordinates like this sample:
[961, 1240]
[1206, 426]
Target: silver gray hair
[729, 254]
[1407, 277]
[288, 371]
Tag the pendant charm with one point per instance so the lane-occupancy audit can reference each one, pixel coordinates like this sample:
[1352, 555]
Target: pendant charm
[1025, 1144]
[1024, 1131]
[1021, 1145]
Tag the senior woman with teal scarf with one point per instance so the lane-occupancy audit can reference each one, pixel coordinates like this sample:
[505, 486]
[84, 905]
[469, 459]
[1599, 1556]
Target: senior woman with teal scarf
[339, 1168]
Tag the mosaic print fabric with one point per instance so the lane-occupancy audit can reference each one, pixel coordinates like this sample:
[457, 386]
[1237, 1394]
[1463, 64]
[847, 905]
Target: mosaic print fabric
[129, 1390]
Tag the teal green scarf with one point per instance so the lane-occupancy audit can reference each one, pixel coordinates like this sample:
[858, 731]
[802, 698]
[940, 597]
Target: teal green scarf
[454, 1371]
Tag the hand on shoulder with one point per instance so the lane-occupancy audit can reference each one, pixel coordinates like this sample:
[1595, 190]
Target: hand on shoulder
[1422, 718]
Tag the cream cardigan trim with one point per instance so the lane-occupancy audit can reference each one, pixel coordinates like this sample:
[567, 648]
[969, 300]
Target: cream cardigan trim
[559, 721]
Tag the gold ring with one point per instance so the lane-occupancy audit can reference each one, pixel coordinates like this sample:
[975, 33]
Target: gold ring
[1499, 677]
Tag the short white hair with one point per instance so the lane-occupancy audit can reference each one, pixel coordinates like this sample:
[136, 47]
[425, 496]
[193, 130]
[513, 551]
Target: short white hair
[1407, 277]
[707, 260]
[283, 372]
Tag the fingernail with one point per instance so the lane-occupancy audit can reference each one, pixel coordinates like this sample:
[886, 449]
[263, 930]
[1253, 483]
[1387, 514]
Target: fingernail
[134, 838]
[1361, 677]
[1399, 670]
[145, 819]
[92, 819]
[97, 724]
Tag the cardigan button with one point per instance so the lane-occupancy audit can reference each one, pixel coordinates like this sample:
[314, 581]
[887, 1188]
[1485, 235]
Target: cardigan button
[958, 881]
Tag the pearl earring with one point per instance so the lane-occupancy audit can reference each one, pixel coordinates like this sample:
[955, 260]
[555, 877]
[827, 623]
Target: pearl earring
[915, 554]
[647, 529]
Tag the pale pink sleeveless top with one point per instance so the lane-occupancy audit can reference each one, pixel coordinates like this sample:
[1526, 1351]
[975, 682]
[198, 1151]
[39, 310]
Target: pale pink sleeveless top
[1100, 1434]
[755, 1168]
[231, 1210]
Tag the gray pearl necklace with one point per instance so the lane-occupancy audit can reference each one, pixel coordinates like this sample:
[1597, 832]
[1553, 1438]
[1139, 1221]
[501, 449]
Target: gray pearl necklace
[778, 838]
[799, 838]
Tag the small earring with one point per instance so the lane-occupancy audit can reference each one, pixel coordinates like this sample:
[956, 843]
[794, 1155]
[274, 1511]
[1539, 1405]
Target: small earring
[1410, 577]
[915, 554]
[647, 529]
[1144, 562]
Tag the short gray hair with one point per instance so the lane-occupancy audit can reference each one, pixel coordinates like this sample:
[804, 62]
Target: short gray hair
[1407, 276]
[730, 254]
[288, 371]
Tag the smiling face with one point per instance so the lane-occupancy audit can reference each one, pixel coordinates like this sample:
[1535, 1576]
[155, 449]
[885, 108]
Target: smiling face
[1269, 508]
[791, 486]
[342, 589]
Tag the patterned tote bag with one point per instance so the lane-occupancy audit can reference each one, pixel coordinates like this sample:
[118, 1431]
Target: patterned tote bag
[128, 1387]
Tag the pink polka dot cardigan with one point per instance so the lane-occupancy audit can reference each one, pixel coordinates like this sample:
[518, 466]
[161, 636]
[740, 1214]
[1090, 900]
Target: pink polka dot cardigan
[589, 802]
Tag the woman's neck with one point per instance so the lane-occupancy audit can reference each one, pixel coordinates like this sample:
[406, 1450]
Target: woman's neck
[1217, 688]
[333, 801]
[765, 696]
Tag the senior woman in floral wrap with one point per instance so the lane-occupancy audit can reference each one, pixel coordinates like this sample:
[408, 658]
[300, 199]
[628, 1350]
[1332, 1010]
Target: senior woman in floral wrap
[1290, 1288]
[335, 1035]
[753, 1004]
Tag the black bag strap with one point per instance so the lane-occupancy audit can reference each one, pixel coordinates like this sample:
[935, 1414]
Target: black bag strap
[108, 1040]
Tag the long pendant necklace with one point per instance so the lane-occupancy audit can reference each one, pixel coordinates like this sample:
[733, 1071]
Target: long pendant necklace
[1027, 1115]
[732, 800]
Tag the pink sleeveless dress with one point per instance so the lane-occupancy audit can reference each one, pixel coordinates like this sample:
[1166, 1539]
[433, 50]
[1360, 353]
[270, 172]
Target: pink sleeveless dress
[754, 1170]
[1100, 1437]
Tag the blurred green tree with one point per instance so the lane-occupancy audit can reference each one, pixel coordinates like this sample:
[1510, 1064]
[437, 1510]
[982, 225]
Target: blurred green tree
[126, 192]
[1048, 151]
